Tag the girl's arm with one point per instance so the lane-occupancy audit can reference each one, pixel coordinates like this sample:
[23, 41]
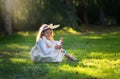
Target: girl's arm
[45, 49]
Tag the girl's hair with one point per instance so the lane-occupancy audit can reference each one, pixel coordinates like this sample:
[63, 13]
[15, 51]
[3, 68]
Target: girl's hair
[43, 29]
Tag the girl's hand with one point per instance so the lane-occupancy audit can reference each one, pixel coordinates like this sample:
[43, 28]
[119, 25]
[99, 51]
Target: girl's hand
[58, 46]
[61, 40]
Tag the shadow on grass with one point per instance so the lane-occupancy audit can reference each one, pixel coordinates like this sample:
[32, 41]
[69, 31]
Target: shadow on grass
[24, 70]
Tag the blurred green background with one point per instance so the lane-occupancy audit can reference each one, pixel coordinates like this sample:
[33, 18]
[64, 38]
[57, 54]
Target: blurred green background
[21, 15]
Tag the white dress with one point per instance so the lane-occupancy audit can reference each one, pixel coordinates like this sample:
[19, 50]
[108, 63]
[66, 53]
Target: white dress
[44, 51]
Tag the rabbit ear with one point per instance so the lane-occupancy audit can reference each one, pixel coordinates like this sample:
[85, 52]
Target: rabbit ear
[56, 26]
[50, 25]
[53, 26]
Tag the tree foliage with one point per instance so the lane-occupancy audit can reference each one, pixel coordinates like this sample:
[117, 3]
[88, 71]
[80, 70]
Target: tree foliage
[30, 14]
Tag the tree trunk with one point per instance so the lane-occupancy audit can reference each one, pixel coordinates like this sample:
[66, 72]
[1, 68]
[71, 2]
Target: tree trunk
[67, 2]
[103, 19]
[8, 23]
[71, 14]
[85, 14]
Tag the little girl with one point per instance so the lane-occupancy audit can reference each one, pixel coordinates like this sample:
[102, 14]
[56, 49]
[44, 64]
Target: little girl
[46, 48]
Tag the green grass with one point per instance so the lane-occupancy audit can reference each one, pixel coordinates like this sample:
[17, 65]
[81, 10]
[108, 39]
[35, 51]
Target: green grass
[98, 51]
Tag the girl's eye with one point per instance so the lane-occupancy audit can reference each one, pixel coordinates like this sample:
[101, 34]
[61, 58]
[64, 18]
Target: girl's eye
[48, 33]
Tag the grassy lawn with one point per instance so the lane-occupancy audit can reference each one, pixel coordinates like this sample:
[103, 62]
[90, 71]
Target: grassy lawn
[98, 51]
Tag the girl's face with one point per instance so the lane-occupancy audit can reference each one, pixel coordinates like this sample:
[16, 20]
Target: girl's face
[48, 34]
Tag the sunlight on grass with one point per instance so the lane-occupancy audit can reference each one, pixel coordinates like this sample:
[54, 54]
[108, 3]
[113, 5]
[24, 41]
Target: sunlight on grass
[105, 55]
[71, 30]
[12, 45]
[24, 33]
[99, 68]
[20, 60]
[114, 33]
[101, 63]
[67, 30]
[97, 65]
[93, 37]
[83, 70]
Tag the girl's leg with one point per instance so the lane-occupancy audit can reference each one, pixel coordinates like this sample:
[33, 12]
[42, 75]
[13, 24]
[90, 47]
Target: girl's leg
[70, 57]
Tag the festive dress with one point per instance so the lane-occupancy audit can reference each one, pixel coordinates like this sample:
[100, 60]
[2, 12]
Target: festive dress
[44, 51]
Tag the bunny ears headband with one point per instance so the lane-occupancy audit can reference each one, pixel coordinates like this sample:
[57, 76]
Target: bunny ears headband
[51, 26]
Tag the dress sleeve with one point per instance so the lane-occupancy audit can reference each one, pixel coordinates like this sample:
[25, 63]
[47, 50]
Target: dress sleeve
[45, 49]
